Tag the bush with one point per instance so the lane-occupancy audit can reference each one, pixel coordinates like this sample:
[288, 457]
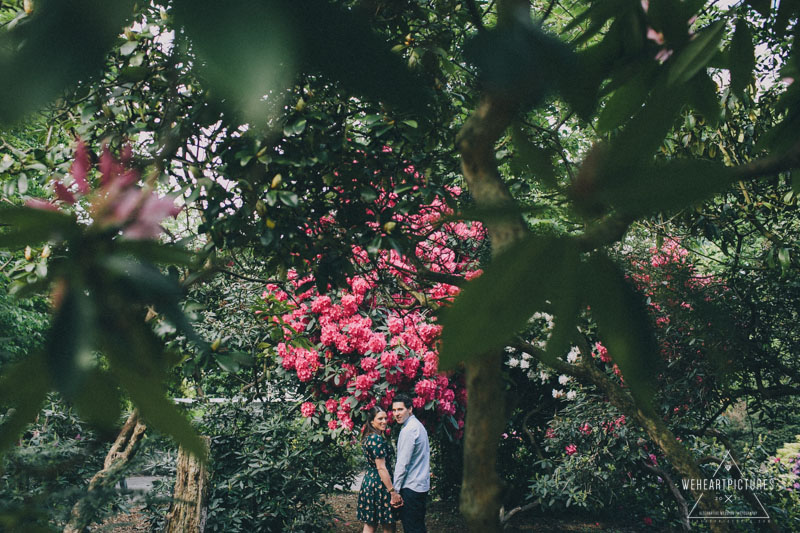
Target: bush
[269, 470]
[48, 471]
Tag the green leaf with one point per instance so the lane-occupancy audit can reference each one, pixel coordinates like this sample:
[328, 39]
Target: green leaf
[598, 13]
[128, 48]
[65, 41]
[155, 252]
[696, 54]
[289, 198]
[645, 132]
[703, 97]
[742, 57]
[295, 129]
[492, 308]
[762, 6]
[70, 342]
[623, 326]
[143, 284]
[532, 158]
[668, 185]
[34, 226]
[99, 402]
[23, 385]
[624, 103]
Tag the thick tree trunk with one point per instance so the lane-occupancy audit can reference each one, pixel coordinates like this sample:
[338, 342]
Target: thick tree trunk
[120, 454]
[481, 489]
[188, 511]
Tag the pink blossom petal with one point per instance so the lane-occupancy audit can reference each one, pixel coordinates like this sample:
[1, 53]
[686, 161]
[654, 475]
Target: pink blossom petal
[37, 203]
[80, 168]
[63, 194]
[653, 35]
[150, 215]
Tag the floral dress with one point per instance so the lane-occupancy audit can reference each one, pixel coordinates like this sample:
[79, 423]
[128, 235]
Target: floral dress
[374, 500]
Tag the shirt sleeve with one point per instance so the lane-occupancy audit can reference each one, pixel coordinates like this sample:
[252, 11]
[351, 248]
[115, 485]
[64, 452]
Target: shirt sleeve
[405, 445]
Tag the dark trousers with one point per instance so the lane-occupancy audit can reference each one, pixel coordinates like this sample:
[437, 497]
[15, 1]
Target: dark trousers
[412, 513]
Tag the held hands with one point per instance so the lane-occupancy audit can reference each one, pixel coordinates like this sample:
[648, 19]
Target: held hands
[397, 500]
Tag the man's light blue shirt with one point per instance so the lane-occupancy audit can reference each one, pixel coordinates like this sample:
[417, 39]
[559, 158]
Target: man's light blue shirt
[413, 467]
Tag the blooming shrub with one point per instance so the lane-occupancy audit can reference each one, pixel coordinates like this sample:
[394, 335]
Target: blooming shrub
[354, 348]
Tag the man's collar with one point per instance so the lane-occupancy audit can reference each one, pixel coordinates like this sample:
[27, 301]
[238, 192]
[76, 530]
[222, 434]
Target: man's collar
[407, 419]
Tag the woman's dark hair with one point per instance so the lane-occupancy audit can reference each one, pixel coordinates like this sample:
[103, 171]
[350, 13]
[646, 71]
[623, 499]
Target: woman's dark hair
[367, 428]
[405, 398]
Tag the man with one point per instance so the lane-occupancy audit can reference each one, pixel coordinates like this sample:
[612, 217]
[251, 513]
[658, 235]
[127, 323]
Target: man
[412, 471]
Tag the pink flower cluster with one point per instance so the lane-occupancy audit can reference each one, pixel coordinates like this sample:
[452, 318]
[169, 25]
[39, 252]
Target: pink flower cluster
[371, 351]
[118, 201]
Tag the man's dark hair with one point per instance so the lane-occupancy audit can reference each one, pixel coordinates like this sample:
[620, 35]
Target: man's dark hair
[405, 398]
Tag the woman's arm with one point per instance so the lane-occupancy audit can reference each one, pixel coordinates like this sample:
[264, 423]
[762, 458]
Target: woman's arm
[383, 472]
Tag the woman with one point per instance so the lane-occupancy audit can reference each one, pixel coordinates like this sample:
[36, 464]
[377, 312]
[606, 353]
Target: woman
[376, 490]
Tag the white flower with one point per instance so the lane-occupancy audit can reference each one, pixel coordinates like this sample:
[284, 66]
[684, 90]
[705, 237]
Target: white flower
[572, 356]
[562, 379]
[571, 395]
[526, 356]
[558, 393]
[525, 364]
[544, 376]
[513, 362]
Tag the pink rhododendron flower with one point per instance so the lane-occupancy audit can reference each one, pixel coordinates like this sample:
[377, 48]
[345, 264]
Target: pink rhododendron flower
[331, 405]
[571, 449]
[333, 424]
[308, 409]
[389, 360]
[368, 363]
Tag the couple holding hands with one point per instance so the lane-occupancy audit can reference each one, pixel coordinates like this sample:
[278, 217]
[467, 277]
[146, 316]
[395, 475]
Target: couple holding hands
[385, 499]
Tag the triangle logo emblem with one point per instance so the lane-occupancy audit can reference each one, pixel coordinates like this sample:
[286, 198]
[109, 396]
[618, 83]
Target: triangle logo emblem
[736, 494]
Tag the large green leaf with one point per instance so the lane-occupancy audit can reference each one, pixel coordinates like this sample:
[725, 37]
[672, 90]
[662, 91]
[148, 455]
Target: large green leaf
[492, 308]
[742, 57]
[143, 284]
[521, 61]
[34, 226]
[664, 186]
[644, 133]
[24, 386]
[99, 402]
[252, 49]
[61, 42]
[530, 158]
[696, 54]
[623, 326]
[70, 341]
[625, 102]
[703, 97]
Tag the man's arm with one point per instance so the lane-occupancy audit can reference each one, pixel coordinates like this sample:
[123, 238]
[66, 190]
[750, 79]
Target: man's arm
[405, 445]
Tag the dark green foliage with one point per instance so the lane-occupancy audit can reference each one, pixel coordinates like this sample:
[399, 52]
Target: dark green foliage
[269, 470]
[498, 304]
[48, 471]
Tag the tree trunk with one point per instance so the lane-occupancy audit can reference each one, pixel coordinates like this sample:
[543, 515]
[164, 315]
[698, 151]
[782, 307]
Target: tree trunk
[187, 513]
[481, 489]
[122, 451]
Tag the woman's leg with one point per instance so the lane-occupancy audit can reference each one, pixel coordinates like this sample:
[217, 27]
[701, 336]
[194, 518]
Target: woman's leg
[389, 528]
[368, 528]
